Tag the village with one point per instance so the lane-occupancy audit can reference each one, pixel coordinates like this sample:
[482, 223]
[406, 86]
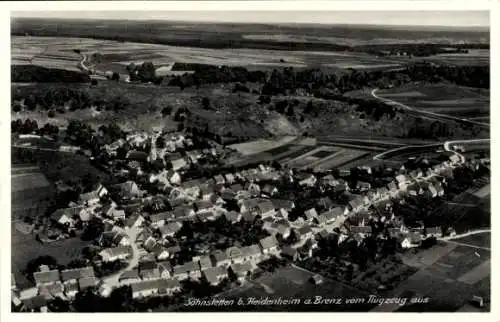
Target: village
[165, 224]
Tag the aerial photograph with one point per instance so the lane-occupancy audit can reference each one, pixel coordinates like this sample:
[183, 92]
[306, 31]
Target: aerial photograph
[257, 161]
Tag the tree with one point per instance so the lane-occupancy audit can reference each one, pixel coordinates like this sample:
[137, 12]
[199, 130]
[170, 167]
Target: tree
[16, 107]
[167, 110]
[160, 142]
[115, 76]
[93, 81]
[205, 102]
[52, 113]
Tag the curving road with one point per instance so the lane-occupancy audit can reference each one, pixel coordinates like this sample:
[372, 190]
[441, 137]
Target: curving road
[469, 233]
[428, 114]
[113, 280]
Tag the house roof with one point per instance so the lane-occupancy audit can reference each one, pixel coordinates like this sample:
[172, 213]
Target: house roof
[203, 204]
[305, 230]
[77, 273]
[171, 228]
[268, 242]
[219, 256]
[160, 284]
[361, 229]
[311, 213]
[234, 252]
[116, 251]
[252, 250]
[46, 277]
[87, 282]
[131, 274]
[205, 262]
[165, 266]
[356, 202]
[186, 268]
[265, 206]
[289, 251]
[161, 216]
[242, 269]
[232, 216]
[212, 274]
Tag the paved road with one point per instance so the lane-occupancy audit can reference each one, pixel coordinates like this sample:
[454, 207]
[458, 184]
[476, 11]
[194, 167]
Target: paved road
[112, 280]
[470, 233]
[428, 114]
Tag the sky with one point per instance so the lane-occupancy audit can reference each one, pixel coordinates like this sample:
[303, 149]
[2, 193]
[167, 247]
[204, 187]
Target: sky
[401, 18]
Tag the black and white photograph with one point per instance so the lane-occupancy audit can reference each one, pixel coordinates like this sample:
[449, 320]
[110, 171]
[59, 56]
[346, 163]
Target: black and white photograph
[250, 161]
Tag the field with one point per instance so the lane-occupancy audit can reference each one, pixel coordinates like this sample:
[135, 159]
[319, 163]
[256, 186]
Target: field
[443, 99]
[293, 283]
[449, 275]
[57, 52]
[25, 248]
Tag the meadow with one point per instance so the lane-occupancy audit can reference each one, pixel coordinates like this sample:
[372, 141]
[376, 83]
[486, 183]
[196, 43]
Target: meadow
[442, 99]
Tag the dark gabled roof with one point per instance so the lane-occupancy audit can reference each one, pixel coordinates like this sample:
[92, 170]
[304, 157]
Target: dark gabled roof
[219, 256]
[87, 282]
[242, 268]
[46, 277]
[361, 229]
[132, 274]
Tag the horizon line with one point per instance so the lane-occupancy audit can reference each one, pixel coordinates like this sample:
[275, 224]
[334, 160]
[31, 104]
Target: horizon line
[472, 28]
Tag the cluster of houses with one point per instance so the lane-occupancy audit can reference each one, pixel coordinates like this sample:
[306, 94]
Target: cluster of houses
[52, 283]
[255, 191]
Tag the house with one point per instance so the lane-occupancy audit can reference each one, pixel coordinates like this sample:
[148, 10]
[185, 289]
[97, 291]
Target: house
[304, 232]
[317, 279]
[93, 197]
[363, 186]
[234, 254]
[269, 245]
[121, 239]
[65, 216]
[214, 275]
[269, 190]
[252, 188]
[241, 271]
[115, 253]
[139, 156]
[178, 162]
[454, 159]
[233, 216]
[87, 282]
[251, 253]
[46, 277]
[159, 220]
[165, 269]
[71, 289]
[207, 191]
[362, 230]
[285, 204]
[409, 240]
[325, 203]
[219, 179]
[149, 270]
[160, 252]
[265, 209]
[393, 187]
[328, 180]
[72, 275]
[173, 250]
[306, 179]
[229, 178]
[289, 252]
[128, 190]
[202, 205]
[205, 262]
[356, 204]
[134, 221]
[184, 211]
[433, 231]
[219, 258]
[402, 181]
[311, 214]
[170, 229]
[50, 291]
[329, 216]
[129, 277]
[206, 216]
[160, 287]
[188, 270]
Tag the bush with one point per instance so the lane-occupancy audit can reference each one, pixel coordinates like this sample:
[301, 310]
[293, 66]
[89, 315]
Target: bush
[52, 113]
